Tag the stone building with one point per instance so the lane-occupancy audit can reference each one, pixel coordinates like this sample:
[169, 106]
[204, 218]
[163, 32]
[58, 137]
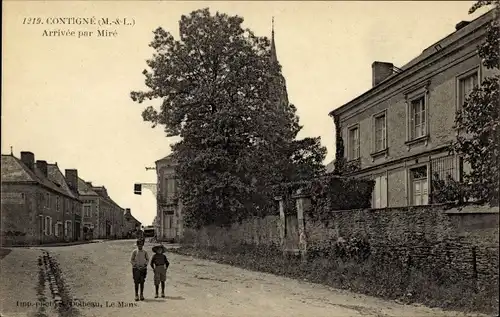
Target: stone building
[90, 208]
[117, 220]
[72, 220]
[131, 224]
[109, 215]
[35, 209]
[398, 132]
[169, 208]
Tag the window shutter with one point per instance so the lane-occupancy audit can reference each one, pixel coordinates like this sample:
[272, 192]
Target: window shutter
[383, 192]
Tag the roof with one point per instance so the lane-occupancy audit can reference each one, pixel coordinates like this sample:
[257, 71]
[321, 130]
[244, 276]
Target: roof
[55, 175]
[84, 189]
[114, 203]
[430, 51]
[167, 158]
[132, 218]
[14, 170]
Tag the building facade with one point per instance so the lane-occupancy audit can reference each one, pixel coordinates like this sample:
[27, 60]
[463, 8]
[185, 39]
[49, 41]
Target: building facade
[169, 208]
[117, 220]
[35, 210]
[398, 133]
[90, 211]
[72, 222]
[110, 215]
[131, 224]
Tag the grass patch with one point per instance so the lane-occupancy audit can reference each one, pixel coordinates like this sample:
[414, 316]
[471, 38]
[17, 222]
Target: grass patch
[381, 277]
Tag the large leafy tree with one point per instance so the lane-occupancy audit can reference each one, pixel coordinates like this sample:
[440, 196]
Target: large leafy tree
[216, 83]
[478, 120]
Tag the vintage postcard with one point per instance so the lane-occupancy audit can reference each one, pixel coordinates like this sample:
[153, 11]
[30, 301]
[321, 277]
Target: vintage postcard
[250, 158]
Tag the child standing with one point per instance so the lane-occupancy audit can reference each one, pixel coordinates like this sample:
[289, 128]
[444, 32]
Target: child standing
[160, 264]
[139, 261]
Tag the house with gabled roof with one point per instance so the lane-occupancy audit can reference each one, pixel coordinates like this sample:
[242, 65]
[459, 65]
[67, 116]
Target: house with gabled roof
[131, 223]
[398, 132]
[31, 204]
[117, 220]
[110, 214]
[72, 220]
[90, 208]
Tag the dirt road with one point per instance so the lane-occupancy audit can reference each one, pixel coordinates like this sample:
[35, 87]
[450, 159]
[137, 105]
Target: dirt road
[100, 275]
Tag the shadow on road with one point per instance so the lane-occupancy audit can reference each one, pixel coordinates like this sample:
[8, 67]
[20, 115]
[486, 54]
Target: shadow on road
[152, 300]
[175, 297]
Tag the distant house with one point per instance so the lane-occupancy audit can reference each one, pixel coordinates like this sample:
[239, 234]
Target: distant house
[398, 132]
[34, 208]
[110, 214]
[117, 220]
[131, 224]
[90, 209]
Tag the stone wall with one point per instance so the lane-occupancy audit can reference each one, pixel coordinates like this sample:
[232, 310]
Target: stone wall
[252, 231]
[444, 245]
[451, 242]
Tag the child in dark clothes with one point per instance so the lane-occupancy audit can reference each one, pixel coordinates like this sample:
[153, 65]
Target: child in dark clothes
[160, 264]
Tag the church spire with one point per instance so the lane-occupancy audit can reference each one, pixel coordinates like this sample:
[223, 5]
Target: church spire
[274, 57]
[278, 83]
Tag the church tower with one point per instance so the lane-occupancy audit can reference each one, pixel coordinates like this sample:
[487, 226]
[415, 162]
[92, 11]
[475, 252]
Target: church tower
[278, 90]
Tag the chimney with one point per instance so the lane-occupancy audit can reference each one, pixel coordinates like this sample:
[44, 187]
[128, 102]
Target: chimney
[42, 166]
[28, 159]
[380, 71]
[461, 25]
[72, 179]
[89, 184]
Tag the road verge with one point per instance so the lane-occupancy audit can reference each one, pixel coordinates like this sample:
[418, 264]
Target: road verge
[366, 278]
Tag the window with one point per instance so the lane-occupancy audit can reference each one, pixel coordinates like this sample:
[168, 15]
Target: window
[171, 186]
[380, 192]
[67, 228]
[417, 118]
[48, 226]
[57, 203]
[419, 186]
[353, 144]
[58, 229]
[87, 211]
[380, 132]
[465, 86]
[47, 200]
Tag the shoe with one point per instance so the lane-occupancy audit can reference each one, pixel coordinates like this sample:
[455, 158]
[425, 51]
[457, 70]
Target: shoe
[142, 297]
[156, 296]
[136, 298]
[162, 295]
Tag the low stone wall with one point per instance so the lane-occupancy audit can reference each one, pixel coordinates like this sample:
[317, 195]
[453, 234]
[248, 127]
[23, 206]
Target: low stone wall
[436, 254]
[458, 244]
[251, 231]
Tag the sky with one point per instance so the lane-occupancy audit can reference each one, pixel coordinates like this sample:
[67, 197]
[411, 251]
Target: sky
[67, 99]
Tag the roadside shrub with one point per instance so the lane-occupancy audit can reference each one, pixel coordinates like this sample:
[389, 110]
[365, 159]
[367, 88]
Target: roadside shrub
[328, 193]
[354, 266]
